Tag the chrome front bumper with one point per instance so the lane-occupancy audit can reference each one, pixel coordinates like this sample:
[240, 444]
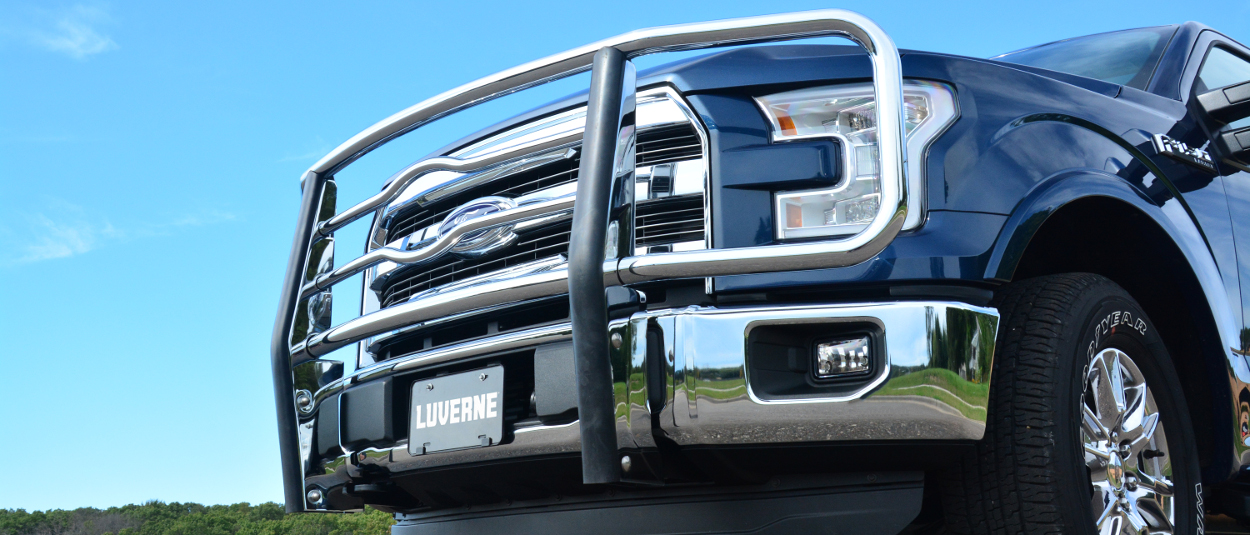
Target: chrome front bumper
[932, 384]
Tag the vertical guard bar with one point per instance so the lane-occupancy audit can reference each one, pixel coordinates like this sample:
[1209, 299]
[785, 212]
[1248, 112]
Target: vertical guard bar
[595, 410]
[280, 351]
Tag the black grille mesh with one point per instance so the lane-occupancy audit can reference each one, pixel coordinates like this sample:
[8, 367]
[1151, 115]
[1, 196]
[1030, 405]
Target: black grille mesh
[411, 280]
[667, 144]
[665, 221]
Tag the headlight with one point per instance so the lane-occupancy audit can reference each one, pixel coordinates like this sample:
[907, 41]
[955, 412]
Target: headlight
[848, 113]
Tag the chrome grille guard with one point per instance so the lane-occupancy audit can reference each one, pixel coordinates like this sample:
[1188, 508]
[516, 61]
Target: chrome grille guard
[302, 332]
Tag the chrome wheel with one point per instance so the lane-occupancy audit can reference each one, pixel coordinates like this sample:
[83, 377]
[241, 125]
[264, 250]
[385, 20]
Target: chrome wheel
[1126, 453]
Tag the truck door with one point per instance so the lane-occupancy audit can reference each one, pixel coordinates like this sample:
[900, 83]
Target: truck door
[1218, 62]
[1222, 63]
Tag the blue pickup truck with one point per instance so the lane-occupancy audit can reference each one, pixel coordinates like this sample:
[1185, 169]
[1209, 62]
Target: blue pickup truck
[793, 289]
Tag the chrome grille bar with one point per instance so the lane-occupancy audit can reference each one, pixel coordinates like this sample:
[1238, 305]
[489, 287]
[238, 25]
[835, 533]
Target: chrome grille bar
[410, 173]
[444, 242]
[316, 224]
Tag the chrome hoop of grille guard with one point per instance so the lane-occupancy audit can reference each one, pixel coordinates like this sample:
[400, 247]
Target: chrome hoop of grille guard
[305, 297]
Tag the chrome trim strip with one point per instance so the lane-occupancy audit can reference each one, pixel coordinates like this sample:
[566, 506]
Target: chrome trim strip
[397, 182]
[386, 337]
[531, 337]
[489, 293]
[503, 342]
[659, 106]
[763, 259]
[706, 148]
[447, 183]
[445, 242]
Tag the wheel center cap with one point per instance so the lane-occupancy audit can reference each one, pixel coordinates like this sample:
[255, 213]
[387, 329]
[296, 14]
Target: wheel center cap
[1115, 472]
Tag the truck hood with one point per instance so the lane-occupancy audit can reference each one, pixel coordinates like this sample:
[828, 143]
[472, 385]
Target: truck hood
[763, 69]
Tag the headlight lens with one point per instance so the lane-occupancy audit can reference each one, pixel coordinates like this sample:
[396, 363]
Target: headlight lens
[848, 113]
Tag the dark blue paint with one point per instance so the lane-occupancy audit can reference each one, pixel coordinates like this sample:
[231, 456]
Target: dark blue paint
[1027, 143]
[950, 246]
[781, 167]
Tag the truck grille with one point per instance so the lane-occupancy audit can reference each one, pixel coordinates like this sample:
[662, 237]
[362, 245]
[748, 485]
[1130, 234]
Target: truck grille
[549, 241]
[654, 146]
[667, 144]
[658, 222]
[668, 221]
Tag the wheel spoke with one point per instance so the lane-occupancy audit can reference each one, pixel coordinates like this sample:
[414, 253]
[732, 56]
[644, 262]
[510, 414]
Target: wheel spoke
[1140, 436]
[1097, 452]
[1135, 407]
[1161, 486]
[1091, 425]
[1105, 388]
[1151, 506]
[1135, 522]
[1112, 526]
[1109, 522]
[1117, 382]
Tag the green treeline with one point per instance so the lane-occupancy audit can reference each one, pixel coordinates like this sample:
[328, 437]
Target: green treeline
[157, 518]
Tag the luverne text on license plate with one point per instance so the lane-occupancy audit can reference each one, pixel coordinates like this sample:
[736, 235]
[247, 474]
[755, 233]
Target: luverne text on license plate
[458, 411]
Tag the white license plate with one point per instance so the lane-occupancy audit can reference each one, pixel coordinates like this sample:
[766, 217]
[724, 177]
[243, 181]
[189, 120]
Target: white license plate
[458, 411]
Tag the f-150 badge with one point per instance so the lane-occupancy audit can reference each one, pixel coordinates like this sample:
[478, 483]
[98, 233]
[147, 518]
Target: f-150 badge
[1179, 151]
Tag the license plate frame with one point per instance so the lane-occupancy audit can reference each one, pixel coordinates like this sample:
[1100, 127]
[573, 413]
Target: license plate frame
[446, 429]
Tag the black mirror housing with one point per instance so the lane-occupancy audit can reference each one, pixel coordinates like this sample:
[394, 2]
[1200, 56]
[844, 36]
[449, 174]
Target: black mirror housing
[1235, 143]
[1227, 104]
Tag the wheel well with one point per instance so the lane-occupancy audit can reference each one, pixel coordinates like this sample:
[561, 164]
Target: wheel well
[1111, 238]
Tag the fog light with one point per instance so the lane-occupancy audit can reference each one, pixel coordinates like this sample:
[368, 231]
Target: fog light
[843, 357]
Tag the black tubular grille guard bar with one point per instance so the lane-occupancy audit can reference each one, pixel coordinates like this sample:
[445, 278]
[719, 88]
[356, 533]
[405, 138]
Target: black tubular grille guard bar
[887, 76]
[596, 408]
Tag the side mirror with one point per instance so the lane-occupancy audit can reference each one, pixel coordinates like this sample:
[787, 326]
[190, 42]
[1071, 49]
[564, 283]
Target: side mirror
[1235, 143]
[1227, 105]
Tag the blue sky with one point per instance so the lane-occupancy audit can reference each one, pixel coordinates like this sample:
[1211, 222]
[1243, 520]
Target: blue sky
[149, 157]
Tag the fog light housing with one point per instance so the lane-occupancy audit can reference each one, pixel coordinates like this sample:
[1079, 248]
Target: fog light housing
[843, 357]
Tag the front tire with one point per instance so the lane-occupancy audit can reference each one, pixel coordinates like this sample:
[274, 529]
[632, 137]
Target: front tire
[1088, 431]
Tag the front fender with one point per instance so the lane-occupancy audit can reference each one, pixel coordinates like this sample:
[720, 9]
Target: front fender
[1061, 189]
[1175, 240]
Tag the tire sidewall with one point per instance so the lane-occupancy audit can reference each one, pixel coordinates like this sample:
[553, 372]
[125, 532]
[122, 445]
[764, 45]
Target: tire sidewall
[1109, 320]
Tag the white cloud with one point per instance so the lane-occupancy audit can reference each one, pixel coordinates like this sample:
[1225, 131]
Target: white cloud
[74, 32]
[66, 233]
[63, 230]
